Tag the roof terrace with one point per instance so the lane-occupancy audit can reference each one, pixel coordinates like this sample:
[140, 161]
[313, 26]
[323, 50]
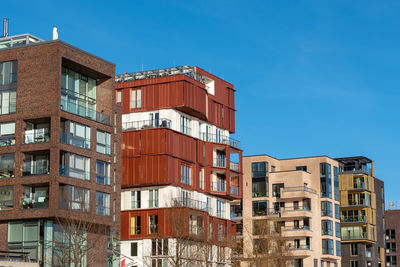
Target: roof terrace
[18, 40]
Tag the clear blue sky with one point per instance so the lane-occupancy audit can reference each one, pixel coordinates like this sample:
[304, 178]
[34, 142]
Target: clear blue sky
[312, 77]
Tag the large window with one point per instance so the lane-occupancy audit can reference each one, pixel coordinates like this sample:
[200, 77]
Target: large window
[102, 172]
[327, 246]
[338, 248]
[74, 198]
[153, 198]
[36, 197]
[75, 134]
[136, 98]
[337, 229]
[75, 166]
[8, 102]
[326, 208]
[102, 203]
[260, 208]
[186, 175]
[259, 169]
[185, 125]
[103, 142]
[6, 198]
[6, 165]
[326, 180]
[327, 227]
[7, 134]
[336, 183]
[24, 237]
[135, 225]
[135, 199]
[8, 72]
[276, 190]
[36, 164]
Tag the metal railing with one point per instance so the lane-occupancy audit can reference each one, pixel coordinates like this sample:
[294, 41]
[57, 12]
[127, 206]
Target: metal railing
[6, 204]
[234, 190]
[146, 124]
[298, 188]
[296, 228]
[74, 173]
[360, 218]
[234, 166]
[7, 140]
[69, 139]
[218, 186]
[191, 203]
[222, 139]
[37, 136]
[219, 162]
[14, 256]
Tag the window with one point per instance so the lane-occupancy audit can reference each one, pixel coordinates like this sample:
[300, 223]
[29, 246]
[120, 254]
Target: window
[102, 203]
[35, 197]
[260, 187]
[276, 190]
[8, 102]
[75, 166]
[260, 208]
[390, 247]
[24, 236]
[337, 229]
[8, 72]
[326, 208]
[353, 263]
[185, 125]
[326, 180]
[301, 168]
[338, 248]
[353, 249]
[259, 169]
[390, 234]
[159, 247]
[7, 134]
[73, 198]
[36, 164]
[391, 261]
[6, 165]
[337, 211]
[153, 198]
[6, 198]
[201, 178]
[153, 224]
[103, 172]
[119, 96]
[336, 182]
[135, 199]
[134, 249]
[186, 175]
[135, 225]
[76, 134]
[103, 142]
[327, 227]
[136, 98]
[327, 246]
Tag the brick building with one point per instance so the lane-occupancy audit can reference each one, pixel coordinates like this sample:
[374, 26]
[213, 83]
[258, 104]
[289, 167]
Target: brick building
[59, 147]
[180, 167]
[392, 224]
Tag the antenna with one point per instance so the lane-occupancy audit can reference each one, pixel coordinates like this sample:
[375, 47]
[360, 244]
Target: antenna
[5, 27]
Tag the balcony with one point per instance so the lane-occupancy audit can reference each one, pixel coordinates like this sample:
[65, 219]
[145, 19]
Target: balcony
[36, 164]
[234, 166]
[292, 212]
[7, 140]
[352, 236]
[300, 247]
[361, 202]
[354, 219]
[220, 139]
[355, 170]
[69, 139]
[297, 192]
[360, 185]
[236, 213]
[219, 162]
[146, 124]
[74, 173]
[35, 198]
[71, 102]
[191, 203]
[234, 190]
[218, 186]
[37, 136]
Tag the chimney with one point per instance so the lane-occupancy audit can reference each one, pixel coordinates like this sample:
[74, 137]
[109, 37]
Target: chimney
[5, 27]
[55, 33]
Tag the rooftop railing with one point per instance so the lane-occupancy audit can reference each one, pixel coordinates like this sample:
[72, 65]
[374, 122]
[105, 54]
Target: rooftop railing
[146, 124]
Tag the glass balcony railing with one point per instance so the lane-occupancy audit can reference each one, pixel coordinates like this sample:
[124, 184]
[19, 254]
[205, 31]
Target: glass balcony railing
[69, 139]
[38, 167]
[81, 110]
[74, 173]
[298, 188]
[360, 185]
[37, 136]
[218, 186]
[234, 166]
[361, 202]
[301, 247]
[234, 190]
[352, 235]
[219, 162]
[146, 124]
[220, 139]
[35, 203]
[357, 219]
[356, 169]
[191, 203]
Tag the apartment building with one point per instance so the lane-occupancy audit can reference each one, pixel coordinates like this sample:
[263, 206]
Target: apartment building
[298, 199]
[362, 207]
[59, 152]
[392, 224]
[181, 168]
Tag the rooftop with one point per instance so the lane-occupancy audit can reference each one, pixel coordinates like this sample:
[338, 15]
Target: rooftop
[356, 159]
[18, 40]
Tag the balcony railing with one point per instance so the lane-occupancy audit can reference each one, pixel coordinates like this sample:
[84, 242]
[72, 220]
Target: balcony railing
[298, 208]
[361, 202]
[74, 173]
[69, 139]
[360, 185]
[300, 247]
[296, 228]
[37, 136]
[220, 139]
[7, 140]
[35, 203]
[348, 236]
[298, 188]
[39, 167]
[219, 162]
[358, 169]
[347, 219]
[146, 124]
[80, 110]
[191, 203]
[236, 215]
[234, 190]
[234, 166]
[218, 186]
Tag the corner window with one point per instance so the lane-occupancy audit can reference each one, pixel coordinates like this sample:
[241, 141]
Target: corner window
[327, 246]
[73, 198]
[326, 208]
[102, 203]
[327, 227]
[76, 134]
[75, 166]
[185, 125]
[103, 142]
[136, 98]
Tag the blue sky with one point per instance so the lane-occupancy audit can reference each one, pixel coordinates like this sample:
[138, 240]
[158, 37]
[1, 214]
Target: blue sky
[312, 77]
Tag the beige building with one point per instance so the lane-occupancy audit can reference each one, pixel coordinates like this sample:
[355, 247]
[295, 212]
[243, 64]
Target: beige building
[299, 197]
